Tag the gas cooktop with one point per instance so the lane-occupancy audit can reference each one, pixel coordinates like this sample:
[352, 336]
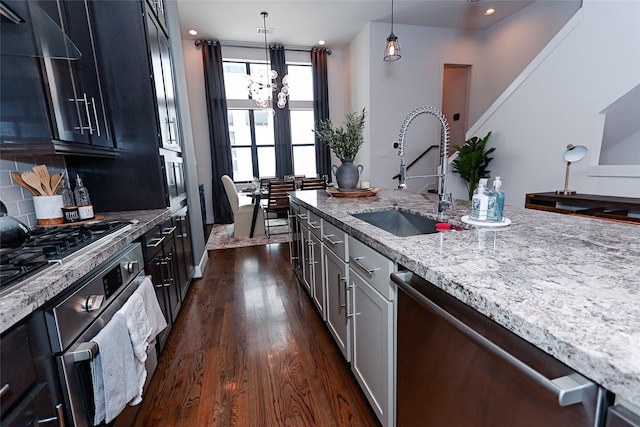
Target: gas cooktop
[47, 246]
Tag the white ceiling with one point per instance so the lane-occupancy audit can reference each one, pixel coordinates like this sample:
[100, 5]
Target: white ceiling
[304, 22]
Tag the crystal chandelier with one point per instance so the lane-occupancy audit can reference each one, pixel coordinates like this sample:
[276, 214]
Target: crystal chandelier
[264, 83]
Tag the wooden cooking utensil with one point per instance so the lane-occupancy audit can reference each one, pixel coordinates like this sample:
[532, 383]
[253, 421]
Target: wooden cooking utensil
[55, 182]
[43, 173]
[18, 178]
[34, 181]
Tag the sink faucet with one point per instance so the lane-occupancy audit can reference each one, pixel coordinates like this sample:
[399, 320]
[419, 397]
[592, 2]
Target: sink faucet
[445, 201]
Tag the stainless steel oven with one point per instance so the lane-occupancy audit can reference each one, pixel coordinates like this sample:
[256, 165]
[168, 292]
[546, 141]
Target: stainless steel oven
[76, 317]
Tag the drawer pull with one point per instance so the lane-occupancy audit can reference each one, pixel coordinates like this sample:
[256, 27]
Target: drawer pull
[155, 242]
[311, 224]
[168, 231]
[356, 261]
[326, 237]
[4, 390]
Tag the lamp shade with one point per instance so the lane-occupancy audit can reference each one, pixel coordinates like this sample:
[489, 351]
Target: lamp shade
[392, 51]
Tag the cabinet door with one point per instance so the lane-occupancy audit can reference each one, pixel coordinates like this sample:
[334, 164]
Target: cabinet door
[164, 88]
[184, 253]
[338, 322]
[156, 269]
[77, 95]
[372, 357]
[23, 106]
[318, 291]
[307, 260]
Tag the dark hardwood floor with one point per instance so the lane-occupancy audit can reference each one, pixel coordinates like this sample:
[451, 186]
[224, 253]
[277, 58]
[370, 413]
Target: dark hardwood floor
[250, 349]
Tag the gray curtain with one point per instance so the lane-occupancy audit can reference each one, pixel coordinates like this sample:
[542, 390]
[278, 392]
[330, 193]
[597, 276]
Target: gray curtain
[321, 107]
[282, 120]
[221, 162]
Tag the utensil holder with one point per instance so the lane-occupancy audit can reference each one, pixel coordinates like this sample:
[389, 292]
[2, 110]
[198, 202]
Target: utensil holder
[48, 209]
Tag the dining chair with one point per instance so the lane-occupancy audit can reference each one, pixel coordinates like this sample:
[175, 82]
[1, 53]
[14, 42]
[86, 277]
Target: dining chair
[243, 212]
[313, 184]
[278, 202]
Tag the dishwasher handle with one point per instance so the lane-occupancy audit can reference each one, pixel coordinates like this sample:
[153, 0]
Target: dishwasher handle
[569, 389]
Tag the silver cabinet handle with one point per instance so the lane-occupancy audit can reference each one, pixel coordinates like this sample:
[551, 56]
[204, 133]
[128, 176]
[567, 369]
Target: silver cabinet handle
[333, 242]
[356, 261]
[168, 231]
[568, 390]
[95, 115]
[301, 216]
[311, 224]
[155, 242]
[59, 417]
[5, 388]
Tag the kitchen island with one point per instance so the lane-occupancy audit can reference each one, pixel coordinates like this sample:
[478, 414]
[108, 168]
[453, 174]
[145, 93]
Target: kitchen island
[570, 286]
[16, 303]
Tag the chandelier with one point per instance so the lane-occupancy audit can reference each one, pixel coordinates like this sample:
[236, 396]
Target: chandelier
[263, 84]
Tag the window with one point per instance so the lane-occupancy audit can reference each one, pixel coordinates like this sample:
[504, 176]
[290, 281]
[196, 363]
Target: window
[251, 129]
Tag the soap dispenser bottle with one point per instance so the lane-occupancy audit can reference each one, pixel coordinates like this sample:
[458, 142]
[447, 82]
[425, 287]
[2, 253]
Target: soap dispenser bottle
[480, 201]
[496, 201]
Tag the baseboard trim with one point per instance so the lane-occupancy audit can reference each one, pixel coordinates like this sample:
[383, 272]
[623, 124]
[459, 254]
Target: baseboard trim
[198, 271]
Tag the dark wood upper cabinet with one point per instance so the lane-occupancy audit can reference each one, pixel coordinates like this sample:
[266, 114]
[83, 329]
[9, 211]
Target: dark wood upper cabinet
[52, 103]
[78, 102]
[160, 53]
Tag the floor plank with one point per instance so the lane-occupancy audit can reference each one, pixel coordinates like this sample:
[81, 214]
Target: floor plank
[250, 349]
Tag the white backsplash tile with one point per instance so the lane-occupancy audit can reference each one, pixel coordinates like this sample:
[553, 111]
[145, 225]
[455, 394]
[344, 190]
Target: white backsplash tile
[18, 200]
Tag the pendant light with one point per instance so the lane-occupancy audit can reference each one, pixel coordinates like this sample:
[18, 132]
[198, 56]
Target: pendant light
[264, 83]
[392, 52]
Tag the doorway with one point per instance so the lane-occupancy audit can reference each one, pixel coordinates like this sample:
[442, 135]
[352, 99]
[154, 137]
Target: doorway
[455, 101]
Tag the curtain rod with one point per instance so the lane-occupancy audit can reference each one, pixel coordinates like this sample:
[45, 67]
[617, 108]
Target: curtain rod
[257, 46]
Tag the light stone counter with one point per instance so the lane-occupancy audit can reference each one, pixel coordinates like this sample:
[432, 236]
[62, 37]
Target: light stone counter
[569, 285]
[18, 302]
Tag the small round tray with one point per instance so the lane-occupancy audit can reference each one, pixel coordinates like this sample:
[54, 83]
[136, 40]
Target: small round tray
[354, 193]
[505, 221]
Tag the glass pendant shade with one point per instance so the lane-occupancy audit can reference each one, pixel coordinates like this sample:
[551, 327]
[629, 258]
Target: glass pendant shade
[392, 52]
[263, 84]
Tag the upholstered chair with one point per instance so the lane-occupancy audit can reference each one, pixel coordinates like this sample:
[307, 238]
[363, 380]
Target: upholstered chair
[242, 212]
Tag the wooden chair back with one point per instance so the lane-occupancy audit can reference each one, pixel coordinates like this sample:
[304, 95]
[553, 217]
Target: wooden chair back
[313, 184]
[278, 200]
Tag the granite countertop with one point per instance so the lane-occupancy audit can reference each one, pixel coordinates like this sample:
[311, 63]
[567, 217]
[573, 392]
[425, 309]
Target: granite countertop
[569, 285]
[18, 302]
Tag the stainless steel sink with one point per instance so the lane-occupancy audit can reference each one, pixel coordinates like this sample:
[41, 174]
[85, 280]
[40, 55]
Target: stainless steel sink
[399, 222]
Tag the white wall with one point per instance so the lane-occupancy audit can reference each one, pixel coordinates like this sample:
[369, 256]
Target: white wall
[558, 99]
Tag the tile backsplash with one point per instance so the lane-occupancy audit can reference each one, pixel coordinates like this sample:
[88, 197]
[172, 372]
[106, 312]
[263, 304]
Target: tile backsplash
[18, 200]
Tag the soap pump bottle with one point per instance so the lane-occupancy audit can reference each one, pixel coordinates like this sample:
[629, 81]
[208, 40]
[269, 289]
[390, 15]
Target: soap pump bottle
[496, 201]
[480, 201]
[85, 208]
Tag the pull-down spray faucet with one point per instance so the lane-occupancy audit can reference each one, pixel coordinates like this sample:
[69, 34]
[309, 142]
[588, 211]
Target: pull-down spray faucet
[445, 201]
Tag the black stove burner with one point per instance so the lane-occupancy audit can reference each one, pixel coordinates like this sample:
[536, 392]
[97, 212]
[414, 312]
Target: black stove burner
[48, 245]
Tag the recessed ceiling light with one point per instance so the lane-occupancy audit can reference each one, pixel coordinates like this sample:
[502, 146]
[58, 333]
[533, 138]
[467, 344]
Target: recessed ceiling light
[321, 42]
[193, 32]
[489, 11]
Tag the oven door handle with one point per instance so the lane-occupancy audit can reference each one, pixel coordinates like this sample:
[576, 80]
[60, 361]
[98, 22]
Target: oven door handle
[82, 352]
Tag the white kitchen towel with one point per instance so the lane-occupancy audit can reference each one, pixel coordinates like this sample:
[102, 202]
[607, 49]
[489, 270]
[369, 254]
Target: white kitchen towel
[151, 305]
[113, 370]
[138, 324]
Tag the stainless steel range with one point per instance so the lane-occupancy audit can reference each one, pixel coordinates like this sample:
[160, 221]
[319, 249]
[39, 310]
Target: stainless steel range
[48, 246]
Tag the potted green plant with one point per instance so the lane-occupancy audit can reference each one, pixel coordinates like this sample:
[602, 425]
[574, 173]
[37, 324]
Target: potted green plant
[344, 141]
[472, 161]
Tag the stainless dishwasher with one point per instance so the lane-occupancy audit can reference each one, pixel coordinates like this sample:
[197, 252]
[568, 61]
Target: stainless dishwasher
[456, 367]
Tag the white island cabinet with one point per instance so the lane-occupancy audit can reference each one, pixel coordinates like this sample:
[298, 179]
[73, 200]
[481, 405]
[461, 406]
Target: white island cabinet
[373, 314]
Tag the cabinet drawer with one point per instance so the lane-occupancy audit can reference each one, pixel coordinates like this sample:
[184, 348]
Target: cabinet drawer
[315, 224]
[336, 240]
[374, 267]
[17, 372]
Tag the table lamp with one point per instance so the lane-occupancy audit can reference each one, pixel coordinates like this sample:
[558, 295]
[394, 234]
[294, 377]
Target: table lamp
[572, 154]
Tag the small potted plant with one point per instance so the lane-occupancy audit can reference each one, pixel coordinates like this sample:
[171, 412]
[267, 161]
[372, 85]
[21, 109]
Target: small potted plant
[345, 143]
[472, 161]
